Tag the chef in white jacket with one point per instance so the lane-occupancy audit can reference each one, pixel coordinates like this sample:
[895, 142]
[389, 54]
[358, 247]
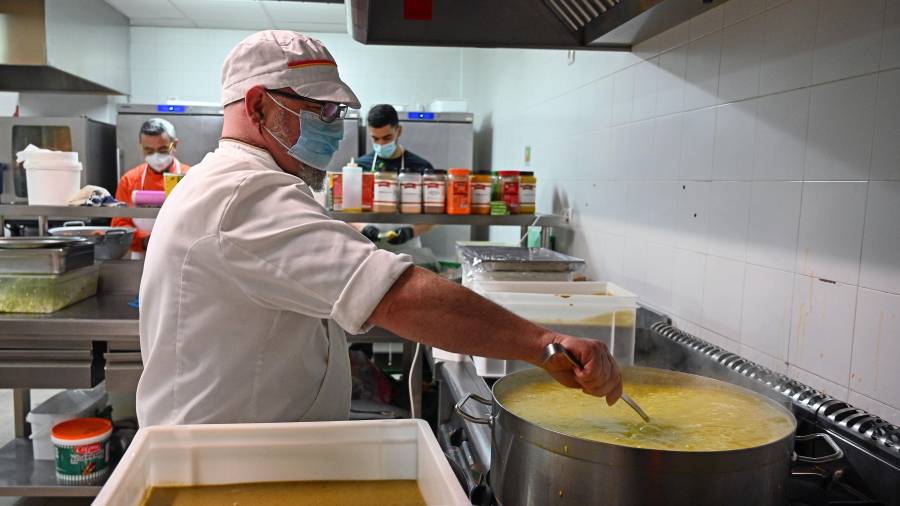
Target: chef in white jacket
[249, 285]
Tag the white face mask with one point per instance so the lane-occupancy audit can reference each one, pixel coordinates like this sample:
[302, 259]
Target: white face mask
[158, 161]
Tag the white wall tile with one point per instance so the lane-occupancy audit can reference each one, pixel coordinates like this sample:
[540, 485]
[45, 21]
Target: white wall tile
[733, 159]
[693, 216]
[623, 96]
[698, 144]
[821, 384]
[876, 346]
[822, 328]
[714, 128]
[742, 47]
[880, 409]
[774, 222]
[659, 275]
[848, 39]
[781, 127]
[719, 340]
[634, 270]
[890, 55]
[723, 292]
[788, 50]
[686, 325]
[880, 267]
[777, 365]
[841, 127]
[729, 205]
[687, 285]
[706, 23]
[831, 226]
[667, 140]
[612, 258]
[607, 199]
[671, 84]
[662, 201]
[738, 10]
[886, 152]
[601, 113]
[702, 71]
[766, 320]
[646, 76]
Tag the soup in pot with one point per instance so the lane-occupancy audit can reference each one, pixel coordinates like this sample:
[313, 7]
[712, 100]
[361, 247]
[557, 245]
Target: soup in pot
[687, 413]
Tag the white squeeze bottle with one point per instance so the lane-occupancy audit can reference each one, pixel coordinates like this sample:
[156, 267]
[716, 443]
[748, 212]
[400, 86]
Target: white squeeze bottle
[351, 180]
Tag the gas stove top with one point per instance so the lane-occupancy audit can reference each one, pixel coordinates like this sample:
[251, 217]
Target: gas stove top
[845, 456]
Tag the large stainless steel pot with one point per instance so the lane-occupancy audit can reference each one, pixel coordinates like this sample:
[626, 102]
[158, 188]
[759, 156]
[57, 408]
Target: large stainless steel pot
[532, 465]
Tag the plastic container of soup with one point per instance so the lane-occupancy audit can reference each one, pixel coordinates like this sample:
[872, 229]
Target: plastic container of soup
[196, 455]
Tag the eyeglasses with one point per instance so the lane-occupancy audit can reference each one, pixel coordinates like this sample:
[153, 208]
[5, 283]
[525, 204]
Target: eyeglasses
[164, 150]
[328, 111]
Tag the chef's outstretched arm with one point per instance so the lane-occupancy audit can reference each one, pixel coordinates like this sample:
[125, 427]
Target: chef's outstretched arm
[429, 309]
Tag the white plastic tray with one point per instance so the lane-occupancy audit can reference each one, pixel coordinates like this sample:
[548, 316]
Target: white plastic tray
[248, 453]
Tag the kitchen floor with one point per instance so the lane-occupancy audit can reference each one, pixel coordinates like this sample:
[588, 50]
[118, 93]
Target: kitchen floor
[6, 433]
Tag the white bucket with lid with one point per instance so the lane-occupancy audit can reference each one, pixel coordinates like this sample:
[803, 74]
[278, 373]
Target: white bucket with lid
[53, 177]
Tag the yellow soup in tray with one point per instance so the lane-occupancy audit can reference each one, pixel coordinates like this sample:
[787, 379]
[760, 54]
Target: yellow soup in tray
[309, 493]
[686, 415]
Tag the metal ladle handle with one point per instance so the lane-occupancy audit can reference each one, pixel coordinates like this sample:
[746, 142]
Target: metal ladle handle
[554, 350]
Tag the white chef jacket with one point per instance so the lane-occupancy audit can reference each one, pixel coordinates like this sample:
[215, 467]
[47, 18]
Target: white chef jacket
[241, 270]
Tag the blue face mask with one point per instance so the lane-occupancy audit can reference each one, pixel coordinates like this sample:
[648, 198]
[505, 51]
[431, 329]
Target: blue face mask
[318, 140]
[385, 150]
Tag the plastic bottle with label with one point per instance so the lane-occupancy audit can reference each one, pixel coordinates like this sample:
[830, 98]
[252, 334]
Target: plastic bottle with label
[509, 188]
[351, 186]
[434, 191]
[481, 193]
[410, 191]
[459, 192]
[527, 192]
[386, 191]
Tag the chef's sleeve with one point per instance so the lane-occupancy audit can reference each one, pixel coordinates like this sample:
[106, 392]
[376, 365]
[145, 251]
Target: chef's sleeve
[286, 253]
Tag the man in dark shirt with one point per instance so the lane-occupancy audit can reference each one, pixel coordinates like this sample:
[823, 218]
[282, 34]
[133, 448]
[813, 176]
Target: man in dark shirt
[387, 153]
[385, 130]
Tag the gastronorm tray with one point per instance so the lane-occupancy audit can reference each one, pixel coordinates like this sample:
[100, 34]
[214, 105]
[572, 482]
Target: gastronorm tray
[56, 260]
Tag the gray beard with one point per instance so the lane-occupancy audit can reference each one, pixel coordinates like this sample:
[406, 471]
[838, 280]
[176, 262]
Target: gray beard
[314, 178]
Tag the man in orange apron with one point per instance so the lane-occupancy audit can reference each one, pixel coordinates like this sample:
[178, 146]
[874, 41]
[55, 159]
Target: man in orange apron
[158, 142]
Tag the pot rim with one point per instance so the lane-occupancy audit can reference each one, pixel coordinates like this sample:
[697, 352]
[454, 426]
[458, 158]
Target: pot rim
[616, 454]
[60, 231]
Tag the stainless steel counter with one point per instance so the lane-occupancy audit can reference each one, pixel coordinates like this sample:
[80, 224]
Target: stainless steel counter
[104, 317]
[77, 347]
[21, 475]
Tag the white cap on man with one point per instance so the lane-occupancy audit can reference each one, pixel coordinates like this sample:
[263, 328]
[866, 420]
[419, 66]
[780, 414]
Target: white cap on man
[284, 59]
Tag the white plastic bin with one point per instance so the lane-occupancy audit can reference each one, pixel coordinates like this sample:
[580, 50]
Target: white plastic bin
[53, 177]
[595, 310]
[63, 406]
[253, 453]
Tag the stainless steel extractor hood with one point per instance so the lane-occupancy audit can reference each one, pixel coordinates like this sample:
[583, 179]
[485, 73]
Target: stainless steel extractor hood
[63, 46]
[611, 25]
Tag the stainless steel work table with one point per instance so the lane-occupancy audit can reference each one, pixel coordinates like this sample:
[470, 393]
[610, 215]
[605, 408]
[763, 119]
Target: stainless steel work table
[106, 318]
